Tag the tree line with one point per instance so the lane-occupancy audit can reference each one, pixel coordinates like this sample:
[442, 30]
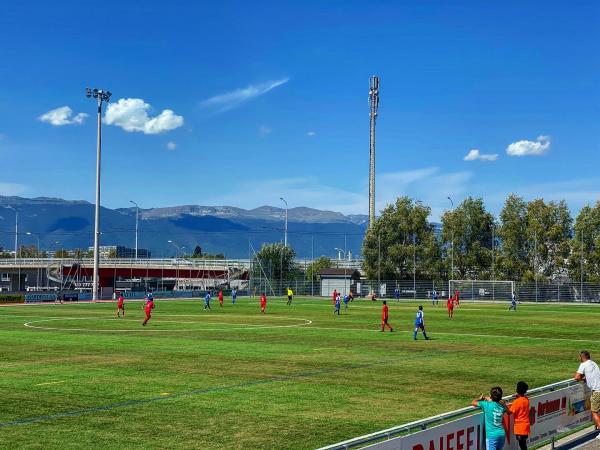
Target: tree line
[529, 240]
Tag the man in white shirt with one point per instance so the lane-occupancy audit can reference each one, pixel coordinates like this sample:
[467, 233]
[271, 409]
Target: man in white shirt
[589, 372]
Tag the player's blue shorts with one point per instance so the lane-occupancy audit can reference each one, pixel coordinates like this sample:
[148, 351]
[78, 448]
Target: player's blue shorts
[420, 325]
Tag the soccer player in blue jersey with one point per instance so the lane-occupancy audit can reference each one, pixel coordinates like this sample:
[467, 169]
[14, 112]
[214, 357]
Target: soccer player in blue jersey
[513, 302]
[420, 324]
[233, 296]
[337, 305]
[434, 298]
[207, 301]
[346, 300]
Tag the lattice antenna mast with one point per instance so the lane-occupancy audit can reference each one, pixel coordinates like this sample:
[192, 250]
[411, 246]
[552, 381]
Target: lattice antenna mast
[374, 104]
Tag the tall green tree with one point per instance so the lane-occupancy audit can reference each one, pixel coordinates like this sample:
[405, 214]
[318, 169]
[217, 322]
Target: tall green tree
[512, 256]
[197, 252]
[585, 245]
[313, 269]
[467, 232]
[549, 234]
[402, 241]
[277, 261]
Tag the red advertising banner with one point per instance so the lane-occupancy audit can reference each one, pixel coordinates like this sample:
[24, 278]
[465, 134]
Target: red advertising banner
[550, 414]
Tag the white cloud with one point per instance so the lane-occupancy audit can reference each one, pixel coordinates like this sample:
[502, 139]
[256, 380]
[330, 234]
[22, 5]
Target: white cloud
[529, 148]
[234, 99]
[264, 130]
[131, 114]
[475, 155]
[311, 133]
[171, 145]
[62, 116]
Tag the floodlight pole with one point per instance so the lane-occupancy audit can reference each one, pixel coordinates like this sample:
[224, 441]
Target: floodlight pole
[137, 210]
[374, 105]
[101, 96]
[286, 222]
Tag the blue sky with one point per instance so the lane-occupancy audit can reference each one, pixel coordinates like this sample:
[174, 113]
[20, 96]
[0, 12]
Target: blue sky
[240, 103]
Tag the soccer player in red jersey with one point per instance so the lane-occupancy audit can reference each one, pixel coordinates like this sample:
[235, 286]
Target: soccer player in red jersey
[220, 296]
[263, 303]
[148, 308]
[120, 305]
[334, 296]
[457, 298]
[450, 305]
[385, 317]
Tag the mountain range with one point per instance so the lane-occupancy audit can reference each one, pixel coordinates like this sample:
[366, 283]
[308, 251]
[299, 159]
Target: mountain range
[234, 232]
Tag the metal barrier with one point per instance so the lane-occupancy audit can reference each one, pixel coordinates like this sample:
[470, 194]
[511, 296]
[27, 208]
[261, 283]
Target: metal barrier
[418, 426]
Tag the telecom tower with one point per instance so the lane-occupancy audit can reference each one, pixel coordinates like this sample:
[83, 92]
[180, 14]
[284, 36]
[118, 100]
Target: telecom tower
[374, 104]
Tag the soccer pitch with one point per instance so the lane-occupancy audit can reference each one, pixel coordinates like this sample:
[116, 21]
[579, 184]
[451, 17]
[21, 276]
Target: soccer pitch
[298, 377]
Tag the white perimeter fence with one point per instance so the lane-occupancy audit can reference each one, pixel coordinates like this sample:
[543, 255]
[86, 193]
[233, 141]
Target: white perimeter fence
[556, 409]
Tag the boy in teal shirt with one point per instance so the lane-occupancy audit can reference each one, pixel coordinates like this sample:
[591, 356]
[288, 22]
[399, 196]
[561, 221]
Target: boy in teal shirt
[494, 409]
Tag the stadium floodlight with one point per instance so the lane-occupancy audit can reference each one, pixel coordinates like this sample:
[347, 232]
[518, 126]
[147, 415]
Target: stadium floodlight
[102, 96]
[286, 221]
[373, 106]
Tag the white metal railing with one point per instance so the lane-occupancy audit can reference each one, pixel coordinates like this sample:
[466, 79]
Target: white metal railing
[165, 262]
[423, 424]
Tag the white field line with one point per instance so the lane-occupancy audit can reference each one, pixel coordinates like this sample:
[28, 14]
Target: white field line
[149, 329]
[49, 382]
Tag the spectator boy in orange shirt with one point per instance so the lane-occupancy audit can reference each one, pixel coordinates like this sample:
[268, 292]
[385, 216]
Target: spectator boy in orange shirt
[520, 409]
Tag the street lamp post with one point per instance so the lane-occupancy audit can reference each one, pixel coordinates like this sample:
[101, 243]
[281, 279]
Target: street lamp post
[37, 272]
[493, 268]
[137, 211]
[101, 96]
[581, 269]
[535, 263]
[179, 250]
[16, 241]
[286, 222]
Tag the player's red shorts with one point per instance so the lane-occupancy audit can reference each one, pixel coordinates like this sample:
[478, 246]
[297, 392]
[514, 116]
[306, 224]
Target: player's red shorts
[120, 305]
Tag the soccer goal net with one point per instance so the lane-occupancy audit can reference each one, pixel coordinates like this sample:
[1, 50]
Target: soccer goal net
[482, 289]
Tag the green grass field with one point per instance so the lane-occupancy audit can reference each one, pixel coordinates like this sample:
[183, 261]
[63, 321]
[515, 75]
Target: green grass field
[296, 378]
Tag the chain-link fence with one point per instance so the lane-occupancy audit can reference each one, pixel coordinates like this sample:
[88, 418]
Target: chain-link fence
[469, 290]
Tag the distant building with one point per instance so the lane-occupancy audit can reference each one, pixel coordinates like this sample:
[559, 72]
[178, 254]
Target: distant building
[119, 251]
[343, 280]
